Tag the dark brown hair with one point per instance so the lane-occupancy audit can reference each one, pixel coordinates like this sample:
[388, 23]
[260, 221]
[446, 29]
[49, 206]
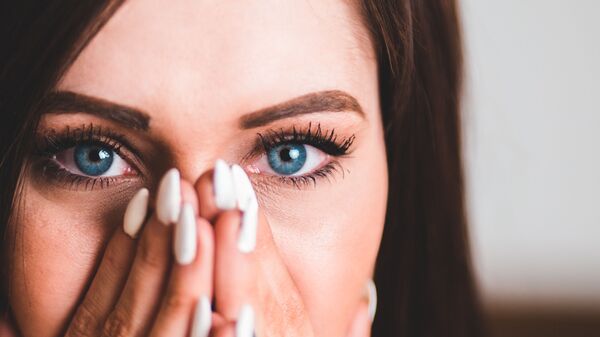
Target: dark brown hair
[423, 271]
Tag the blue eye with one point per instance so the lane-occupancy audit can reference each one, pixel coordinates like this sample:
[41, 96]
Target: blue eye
[93, 160]
[287, 159]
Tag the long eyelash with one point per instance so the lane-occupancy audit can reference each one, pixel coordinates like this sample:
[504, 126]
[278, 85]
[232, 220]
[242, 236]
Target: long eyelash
[324, 140]
[50, 143]
[325, 172]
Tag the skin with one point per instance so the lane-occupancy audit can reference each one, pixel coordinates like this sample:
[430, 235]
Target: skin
[196, 67]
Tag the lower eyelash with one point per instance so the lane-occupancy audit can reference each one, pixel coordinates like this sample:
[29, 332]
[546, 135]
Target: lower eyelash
[51, 170]
[325, 172]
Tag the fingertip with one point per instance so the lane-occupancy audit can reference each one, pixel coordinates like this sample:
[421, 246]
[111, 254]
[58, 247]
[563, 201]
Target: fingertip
[360, 326]
[204, 188]
[188, 195]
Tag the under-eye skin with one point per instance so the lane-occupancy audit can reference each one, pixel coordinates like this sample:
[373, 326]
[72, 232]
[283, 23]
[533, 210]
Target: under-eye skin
[85, 158]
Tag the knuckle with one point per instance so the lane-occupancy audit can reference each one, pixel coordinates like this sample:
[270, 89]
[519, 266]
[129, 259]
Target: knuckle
[84, 323]
[149, 255]
[177, 301]
[113, 263]
[116, 325]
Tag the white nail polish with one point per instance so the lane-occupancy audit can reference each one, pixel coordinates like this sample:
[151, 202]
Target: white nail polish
[223, 186]
[135, 214]
[185, 237]
[243, 187]
[202, 318]
[372, 295]
[246, 200]
[168, 199]
[247, 239]
[245, 322]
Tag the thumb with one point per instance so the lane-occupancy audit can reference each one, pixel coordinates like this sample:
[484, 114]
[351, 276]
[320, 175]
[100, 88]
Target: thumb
[360, 326]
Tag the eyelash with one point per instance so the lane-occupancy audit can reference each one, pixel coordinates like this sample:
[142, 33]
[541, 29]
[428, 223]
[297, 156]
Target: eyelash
[52, 143]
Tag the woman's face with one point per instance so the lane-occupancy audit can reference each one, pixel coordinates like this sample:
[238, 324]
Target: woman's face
[200, 73]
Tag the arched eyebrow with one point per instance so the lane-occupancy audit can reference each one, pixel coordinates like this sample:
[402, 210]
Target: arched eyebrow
[322, 101]
[60, 102]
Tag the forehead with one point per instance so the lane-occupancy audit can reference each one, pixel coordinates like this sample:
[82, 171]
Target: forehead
[227, 56]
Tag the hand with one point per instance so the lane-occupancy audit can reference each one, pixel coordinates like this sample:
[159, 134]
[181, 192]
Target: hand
[137, 289]
[248, 267]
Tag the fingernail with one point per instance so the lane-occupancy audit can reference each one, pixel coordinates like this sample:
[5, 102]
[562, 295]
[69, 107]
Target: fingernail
[243, 187]
[246, 201]
[223, 186]
[135, 214]
[185, 236]
[247, 238]
[245, 323]
[202, 318]
[372, 297]
[168, 200]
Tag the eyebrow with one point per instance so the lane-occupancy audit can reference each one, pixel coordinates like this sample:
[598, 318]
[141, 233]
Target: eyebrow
[59, 102]
[330, 101]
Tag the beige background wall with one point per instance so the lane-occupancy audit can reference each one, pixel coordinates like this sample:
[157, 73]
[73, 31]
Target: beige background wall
[532, 137]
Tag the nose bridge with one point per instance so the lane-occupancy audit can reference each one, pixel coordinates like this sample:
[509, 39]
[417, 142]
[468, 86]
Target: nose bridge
[192, 140]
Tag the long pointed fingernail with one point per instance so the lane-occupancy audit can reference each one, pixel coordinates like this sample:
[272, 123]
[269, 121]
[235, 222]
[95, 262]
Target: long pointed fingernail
[135, 214]
[202, 318]
[245, 322]
[168, 199]
[246, 200]
[243, 187]
[372, 297]
[247, 238]
[223, 186]
[185, 237]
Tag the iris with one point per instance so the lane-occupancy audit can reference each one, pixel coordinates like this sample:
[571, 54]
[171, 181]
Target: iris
[287, 159]
[93, 160]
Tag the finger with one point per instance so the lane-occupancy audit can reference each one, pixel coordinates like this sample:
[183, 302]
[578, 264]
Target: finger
[189, 290]
[221, 326]
[225, 330]
[112, 271]
[267, 278]
[233, 285]
[360, 326]
[216, 191]
[242, 327]
[138, 303]
[218, 200]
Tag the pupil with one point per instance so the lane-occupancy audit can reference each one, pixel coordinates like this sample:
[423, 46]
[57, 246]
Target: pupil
[285, 154]
[95, 155]
[288, 154]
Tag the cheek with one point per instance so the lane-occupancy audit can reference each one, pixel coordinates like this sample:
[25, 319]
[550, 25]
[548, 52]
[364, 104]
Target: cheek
[329, 238]
[57, 247]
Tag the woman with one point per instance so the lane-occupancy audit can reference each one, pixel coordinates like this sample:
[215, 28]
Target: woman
[269, 159]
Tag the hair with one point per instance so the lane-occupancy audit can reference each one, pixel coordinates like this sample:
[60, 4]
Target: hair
[423, 271]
